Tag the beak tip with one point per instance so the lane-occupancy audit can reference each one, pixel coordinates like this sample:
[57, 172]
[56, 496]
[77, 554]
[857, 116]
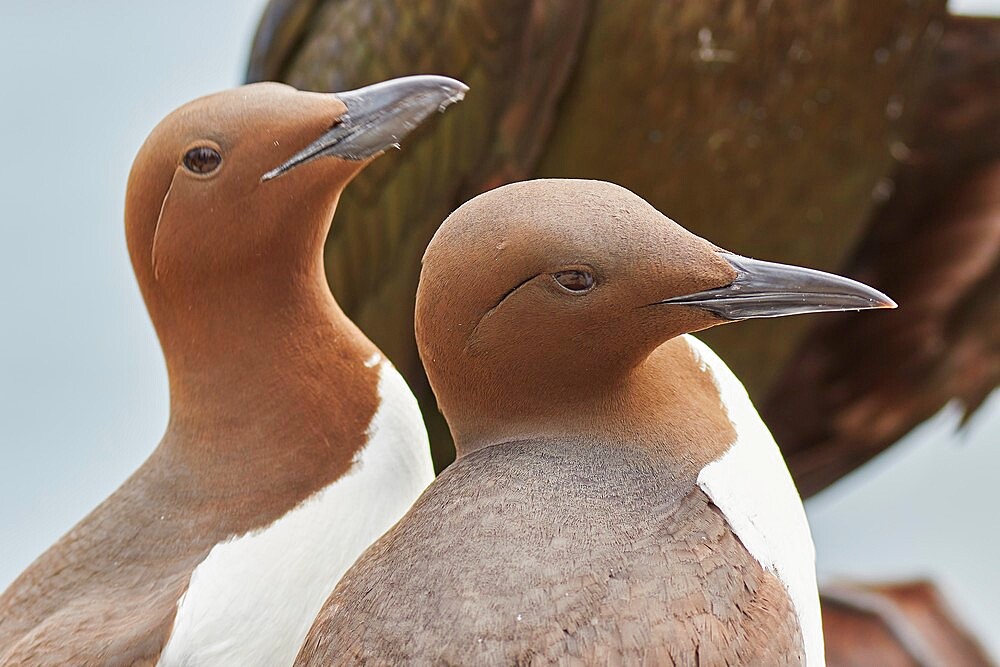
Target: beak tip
[449, 91]
[457, 95]
[879, 300]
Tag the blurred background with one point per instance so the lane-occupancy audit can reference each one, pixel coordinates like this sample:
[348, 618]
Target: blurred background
[83, 392]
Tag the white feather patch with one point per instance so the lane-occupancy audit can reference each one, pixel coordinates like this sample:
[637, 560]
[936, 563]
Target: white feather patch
[750, 483]
[254, 597]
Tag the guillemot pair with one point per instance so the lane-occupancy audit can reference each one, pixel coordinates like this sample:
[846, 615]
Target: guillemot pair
[615, 498]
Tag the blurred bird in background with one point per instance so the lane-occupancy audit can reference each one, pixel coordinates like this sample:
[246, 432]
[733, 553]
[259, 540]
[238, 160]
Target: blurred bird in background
[906, 623]
[817, 132]
[851, 136]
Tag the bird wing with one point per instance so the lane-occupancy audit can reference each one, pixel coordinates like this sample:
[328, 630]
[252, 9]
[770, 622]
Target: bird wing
[857, 385]
[95, 632]
[515, 55]
[107, 591]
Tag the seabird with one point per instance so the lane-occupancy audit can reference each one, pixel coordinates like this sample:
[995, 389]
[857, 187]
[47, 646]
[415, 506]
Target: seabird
[292, 442]
[615, 498]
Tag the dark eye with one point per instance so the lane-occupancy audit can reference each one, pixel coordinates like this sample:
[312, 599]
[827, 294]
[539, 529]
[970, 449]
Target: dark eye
[576, 280]
[202, 160]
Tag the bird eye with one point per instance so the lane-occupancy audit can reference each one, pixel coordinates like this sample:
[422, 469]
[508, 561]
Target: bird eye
[202, 160]
[575, 280]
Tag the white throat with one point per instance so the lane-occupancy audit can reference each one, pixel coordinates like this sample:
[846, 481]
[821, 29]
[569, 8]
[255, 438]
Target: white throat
[750, 483]
[254, 597]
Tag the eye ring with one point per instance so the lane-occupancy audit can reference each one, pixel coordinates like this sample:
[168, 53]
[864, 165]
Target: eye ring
[202, 160]
[576, 281]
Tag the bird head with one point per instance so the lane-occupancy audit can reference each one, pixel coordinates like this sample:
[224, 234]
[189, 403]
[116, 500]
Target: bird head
[544, 295]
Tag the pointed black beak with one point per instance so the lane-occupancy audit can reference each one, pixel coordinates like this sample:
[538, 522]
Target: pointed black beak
[377, 118]
[767, 289]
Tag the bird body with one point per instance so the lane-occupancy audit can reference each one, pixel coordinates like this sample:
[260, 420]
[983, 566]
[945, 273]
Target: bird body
[210, 573]
[292, 443]
[751, 486]
[291, 565]
[562, 551]
[616, 497]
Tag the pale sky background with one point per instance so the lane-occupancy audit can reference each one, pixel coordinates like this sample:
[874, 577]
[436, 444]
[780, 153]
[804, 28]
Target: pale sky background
[83, 393]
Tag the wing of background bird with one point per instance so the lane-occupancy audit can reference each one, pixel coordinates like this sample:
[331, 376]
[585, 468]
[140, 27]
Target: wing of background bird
[860, 384]
[514, 54]
[894, 624]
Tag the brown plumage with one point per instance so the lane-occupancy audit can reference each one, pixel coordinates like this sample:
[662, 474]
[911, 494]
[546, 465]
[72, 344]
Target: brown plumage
[567, 552]
[270, 394]
[775, 120]
[575, 525]
[935, 245]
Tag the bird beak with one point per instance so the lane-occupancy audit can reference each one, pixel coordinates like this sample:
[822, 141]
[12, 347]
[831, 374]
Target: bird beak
[377, 118]
[767, 289]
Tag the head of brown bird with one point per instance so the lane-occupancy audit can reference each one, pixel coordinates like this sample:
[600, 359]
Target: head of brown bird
[539, 296]
[230, 198]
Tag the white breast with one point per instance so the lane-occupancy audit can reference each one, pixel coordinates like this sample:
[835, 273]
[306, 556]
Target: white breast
[750, 483]
[254, 597]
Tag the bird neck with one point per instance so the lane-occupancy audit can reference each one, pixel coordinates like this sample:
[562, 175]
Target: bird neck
[668, 405]
[276, 364]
